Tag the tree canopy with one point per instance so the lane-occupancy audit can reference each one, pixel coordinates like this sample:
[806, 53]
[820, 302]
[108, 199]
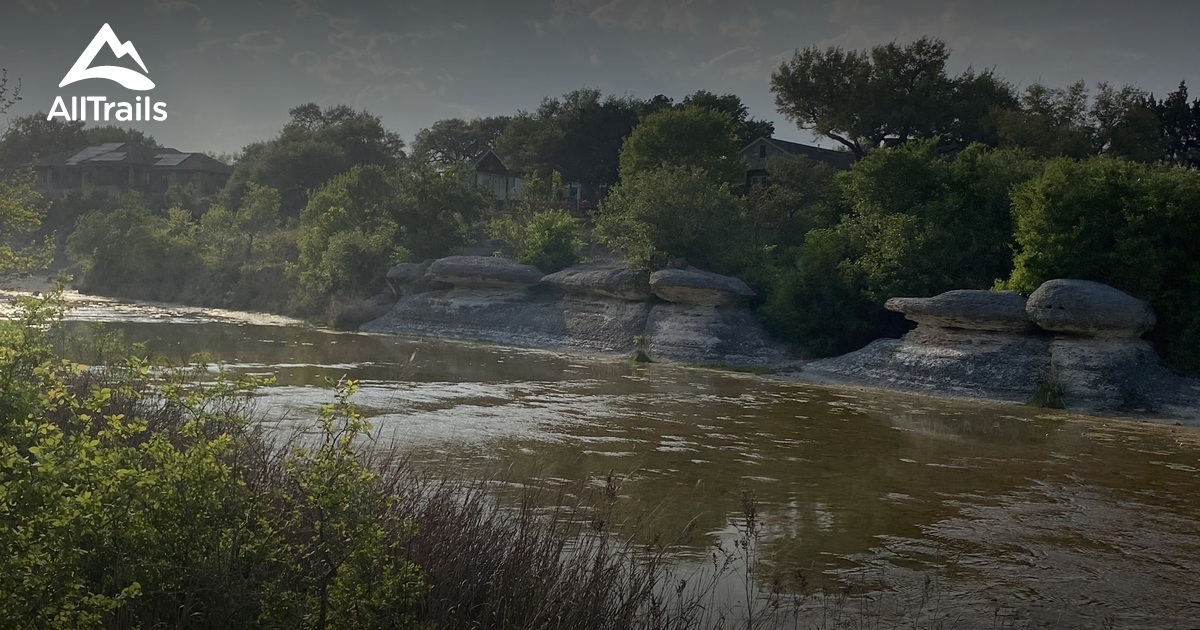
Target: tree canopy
[887, 96]
[685, 137]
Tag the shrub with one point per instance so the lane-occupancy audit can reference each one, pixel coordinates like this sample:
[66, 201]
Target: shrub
[1135, 227]
[136, 495]
[550, 240]
[674, 212]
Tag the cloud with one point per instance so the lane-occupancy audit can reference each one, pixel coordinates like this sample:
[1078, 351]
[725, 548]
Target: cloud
[670, 15]
[204, 25]
[258, 43]
[737, 27]
[364, 56]
[33, 6]
[168, 6]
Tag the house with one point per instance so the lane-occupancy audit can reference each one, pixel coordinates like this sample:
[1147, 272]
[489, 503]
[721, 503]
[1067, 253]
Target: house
[119, 167]
[489, 170]
[758, 153]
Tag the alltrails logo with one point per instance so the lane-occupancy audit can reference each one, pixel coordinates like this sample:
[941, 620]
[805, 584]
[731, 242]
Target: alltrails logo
[102, 110]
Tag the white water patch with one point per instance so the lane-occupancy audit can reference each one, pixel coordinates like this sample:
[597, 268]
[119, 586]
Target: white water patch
[93, 308]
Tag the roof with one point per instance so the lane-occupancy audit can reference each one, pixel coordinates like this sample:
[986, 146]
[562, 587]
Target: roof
[127, 153]
[836, 159]
[477, 160]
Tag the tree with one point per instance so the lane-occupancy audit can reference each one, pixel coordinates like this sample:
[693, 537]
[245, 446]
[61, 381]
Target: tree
[1132, 226]
[19, 212]
[456, 140]
[689, 137]
[579, 135]
[1180, 125]
[1072, 122]
[800, 196]
[745, 128]
[28, 137]
[886, 97]
[365, 220]
[313, 147]
[655, 216]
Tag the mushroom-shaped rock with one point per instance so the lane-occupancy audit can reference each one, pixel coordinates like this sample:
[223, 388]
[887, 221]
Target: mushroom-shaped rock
[699, 288]
[406, 274]
[622, 283]
[997, 311]
[1093, 309]
[484, 272]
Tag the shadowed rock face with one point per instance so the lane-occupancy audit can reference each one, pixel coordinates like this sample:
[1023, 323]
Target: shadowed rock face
[622, 283]
[484, 272]
[596, 308]
[1083, 307]
[699, 288]
[999, 311]
[983, 344]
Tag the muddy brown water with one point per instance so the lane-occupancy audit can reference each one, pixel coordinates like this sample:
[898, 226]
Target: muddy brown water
[1018, 517]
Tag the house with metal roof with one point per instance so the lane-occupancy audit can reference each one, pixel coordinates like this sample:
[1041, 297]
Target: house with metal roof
[759, 152]
[118, 167]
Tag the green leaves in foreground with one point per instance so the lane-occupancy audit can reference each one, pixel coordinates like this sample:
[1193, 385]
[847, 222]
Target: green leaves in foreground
[138, 495]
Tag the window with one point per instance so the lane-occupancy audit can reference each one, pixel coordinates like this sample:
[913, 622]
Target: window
[762, 151]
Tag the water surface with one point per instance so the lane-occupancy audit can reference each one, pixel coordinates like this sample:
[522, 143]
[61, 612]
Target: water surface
[1020, 517]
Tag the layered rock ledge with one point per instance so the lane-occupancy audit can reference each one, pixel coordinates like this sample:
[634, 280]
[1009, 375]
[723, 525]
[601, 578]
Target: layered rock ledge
[1072, 342]
[686, 316]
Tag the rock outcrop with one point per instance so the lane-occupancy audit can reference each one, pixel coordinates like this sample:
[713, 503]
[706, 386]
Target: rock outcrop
[967, 343]
[1079, 340]
[1090, 309]
[699, 288]
[595, 308]
[621, 283]
[998, 311]
[484, 272]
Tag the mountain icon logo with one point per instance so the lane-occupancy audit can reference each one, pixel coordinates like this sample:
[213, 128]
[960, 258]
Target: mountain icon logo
[126, 77]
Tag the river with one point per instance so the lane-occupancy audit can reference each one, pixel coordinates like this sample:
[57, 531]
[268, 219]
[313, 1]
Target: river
[1019, 517]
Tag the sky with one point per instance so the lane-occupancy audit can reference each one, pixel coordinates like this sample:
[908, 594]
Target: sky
[229, 71]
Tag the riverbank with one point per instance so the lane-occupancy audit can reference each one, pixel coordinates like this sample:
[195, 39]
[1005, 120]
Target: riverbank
[103, 309]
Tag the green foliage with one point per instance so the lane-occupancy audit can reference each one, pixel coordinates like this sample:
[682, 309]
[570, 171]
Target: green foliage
[1129, 225]
[27, 138]
[746, 129]
[914, 224]
[364, 221]
[674, 212]
[20, 216]
[578, 134]
[887, 96]
[801, 195]
[133, 495]
[456, 140]
[313, 147]
[538, 230]
[225, 258]
[689, 137]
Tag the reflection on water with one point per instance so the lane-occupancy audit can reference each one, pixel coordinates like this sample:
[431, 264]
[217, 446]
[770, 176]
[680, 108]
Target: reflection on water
[1041, 518]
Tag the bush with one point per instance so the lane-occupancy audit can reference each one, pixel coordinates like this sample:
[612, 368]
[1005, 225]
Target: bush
[1135, 227]
[136, 495]
[674, 212]
[549, 240]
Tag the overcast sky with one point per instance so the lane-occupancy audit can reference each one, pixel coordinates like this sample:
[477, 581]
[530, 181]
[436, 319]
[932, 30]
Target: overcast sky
[229, 71]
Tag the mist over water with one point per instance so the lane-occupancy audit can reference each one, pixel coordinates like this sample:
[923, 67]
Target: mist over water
[1034, 518]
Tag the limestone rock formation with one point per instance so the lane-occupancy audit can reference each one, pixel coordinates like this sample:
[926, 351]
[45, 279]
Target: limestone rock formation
[1086, 347]
[622, 283]
[998, 311]
[687, 333]
[1092, 309]
[484, 272]
[699, 288]
[409, 278]
[597, 308]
